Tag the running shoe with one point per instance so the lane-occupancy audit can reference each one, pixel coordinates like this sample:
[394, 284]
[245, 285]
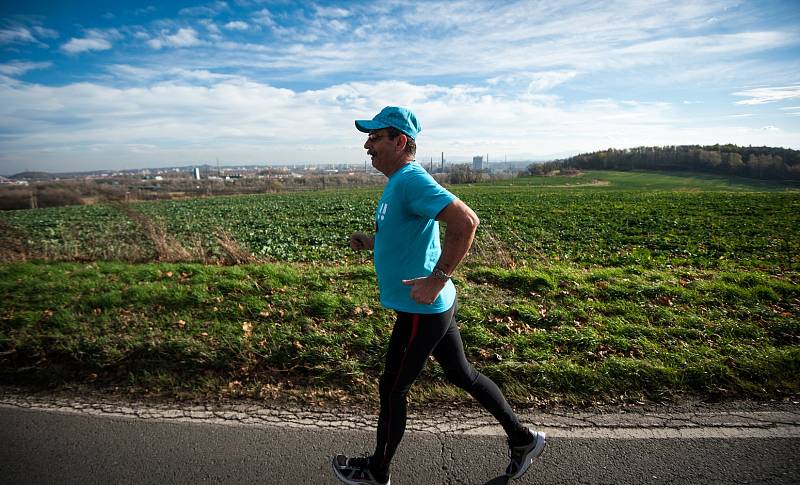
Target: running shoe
[355, 471]
[522, 456]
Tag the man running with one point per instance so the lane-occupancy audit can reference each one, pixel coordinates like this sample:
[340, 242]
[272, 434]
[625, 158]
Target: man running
[414, 280]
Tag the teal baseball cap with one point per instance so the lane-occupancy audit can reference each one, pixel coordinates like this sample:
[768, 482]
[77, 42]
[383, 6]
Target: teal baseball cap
[394, 116]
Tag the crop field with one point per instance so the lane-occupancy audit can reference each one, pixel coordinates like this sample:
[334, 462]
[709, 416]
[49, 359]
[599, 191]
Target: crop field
[595, 219]
[606, 286]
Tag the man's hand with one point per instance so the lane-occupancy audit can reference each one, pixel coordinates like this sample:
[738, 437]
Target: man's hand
[359, 240]
[425, 290]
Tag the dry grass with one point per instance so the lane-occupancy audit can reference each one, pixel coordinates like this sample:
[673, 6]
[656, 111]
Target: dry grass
[168, 249]
[165, 246]
[489, 250]
[233, 252]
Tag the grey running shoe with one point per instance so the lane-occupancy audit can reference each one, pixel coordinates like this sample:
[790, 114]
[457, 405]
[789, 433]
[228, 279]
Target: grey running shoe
[522, 456]
[355, 471]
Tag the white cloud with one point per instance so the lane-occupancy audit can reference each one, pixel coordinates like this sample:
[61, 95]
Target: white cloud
[528, 77]
[237, 25]
[45, 33]
[15, 35]
[145, 10]
[134, 73]
[264, 17]
[142, 75]
[76, 46]
[200, 75]
[497, 40]
[209, 10]
[18, 68]
[535, 82]
[242, 120]
[331, 12]
[184, 37]
[461, 38]
[768, 94]
[95, 40]
[211, 26]
[713, 44]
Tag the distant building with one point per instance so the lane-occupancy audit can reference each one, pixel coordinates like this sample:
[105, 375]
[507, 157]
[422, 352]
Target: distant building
[197, 173]
[7, 181]
[477, 163]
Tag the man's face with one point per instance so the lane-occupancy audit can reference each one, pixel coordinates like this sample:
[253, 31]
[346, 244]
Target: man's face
[379, 146]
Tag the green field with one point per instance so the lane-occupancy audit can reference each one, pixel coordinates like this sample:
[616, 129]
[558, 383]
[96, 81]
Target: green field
[609, 218]
[602, 287]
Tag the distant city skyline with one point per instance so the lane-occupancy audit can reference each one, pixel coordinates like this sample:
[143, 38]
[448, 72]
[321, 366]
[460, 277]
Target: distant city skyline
[97, 86]
[211, 166]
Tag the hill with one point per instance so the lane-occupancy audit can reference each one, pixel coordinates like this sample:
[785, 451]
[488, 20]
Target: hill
[773, 163]
[32, 176]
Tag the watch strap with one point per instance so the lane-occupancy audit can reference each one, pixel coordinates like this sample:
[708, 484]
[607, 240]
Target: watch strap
[439, 274]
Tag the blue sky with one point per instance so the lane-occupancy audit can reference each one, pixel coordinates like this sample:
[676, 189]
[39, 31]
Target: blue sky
[100, 85]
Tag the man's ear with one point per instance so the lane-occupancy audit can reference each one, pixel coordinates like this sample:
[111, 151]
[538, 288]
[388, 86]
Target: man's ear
[401, 142]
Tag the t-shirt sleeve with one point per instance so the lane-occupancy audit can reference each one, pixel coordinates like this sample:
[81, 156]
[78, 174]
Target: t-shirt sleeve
[425, 197]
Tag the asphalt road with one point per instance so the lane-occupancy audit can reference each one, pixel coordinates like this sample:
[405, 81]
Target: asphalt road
[48, 445]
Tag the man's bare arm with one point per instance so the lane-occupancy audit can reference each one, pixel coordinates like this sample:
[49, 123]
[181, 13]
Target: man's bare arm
[359, 240]
[462, 222]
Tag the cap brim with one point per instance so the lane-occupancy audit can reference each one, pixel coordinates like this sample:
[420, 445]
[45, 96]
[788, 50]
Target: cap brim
[368, 126]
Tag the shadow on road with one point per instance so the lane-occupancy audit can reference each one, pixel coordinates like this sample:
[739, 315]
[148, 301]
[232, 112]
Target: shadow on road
[501, 480]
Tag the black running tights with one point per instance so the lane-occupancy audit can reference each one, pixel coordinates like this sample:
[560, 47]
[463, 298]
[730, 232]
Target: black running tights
[414, 338]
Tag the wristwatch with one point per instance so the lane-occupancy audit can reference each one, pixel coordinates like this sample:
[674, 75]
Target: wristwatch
[439, 274]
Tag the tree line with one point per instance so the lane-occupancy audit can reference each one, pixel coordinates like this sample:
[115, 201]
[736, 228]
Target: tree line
[757, 162]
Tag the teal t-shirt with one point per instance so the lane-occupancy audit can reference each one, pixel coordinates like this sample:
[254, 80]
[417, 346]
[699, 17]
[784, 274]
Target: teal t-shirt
[407, 238]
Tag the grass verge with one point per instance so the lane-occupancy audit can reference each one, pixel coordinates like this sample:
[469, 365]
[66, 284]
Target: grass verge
[315, 333]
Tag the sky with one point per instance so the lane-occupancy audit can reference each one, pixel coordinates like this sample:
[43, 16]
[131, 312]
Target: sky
[94, 85]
